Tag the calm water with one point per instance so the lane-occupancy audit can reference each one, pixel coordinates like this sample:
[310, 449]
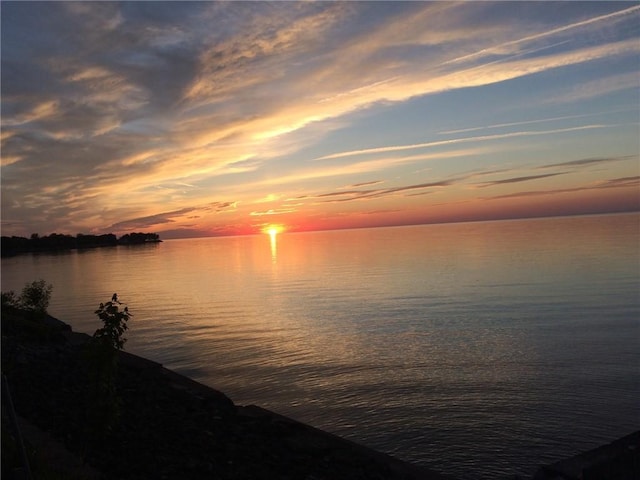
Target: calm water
[479, 349]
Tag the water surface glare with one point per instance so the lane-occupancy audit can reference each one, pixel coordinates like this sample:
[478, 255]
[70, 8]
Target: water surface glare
[481, 349]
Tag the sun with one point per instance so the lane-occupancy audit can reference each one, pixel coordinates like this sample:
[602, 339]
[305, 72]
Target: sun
[273, 230]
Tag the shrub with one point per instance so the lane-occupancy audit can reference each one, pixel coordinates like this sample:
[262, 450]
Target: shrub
[35, 297]
[102, 355]
[115, 324]
[9, 299]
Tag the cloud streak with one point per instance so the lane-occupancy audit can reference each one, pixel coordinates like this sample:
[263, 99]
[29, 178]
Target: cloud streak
[624, 182]
[526, 178]
[483, 138]
[514, 45]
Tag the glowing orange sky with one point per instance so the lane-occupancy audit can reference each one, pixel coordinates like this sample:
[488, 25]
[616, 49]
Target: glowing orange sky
[211, 118]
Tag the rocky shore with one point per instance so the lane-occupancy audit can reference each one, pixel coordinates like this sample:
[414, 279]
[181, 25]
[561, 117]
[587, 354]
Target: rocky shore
[169, 426]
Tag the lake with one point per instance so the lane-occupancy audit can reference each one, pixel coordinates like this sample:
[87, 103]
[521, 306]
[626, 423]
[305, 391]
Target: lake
[481, 350]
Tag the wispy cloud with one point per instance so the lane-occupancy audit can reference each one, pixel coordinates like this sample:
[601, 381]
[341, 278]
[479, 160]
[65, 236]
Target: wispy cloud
[272, 211]
[515, 45]
[526, 178]
[366, 184]
[623, 182]
[597, 88]
[587, 161]
[439, 143]
[153, 221]
[529, 122]
[150, 220]
[351, 195]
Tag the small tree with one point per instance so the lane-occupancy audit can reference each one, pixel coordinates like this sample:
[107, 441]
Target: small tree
[103, 349]
[115, 324]
[35, 297]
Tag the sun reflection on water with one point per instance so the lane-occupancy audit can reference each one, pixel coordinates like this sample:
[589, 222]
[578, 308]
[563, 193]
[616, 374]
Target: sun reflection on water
[273, 240]
[273, 231]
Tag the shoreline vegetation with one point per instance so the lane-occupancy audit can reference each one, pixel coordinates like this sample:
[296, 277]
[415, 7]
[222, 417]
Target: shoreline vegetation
[57, 242]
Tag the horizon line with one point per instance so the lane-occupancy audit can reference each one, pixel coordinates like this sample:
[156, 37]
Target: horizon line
[418, 224]
[635, 210]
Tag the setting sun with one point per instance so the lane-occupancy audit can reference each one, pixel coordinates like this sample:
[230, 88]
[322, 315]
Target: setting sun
[273, 230]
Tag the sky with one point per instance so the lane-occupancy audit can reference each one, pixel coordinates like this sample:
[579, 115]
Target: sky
[206, 118]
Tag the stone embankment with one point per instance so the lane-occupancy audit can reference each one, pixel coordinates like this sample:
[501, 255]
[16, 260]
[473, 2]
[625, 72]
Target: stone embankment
[169, 427]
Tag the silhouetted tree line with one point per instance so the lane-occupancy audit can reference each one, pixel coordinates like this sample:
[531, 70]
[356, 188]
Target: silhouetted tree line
[59, 242]
[136, 238]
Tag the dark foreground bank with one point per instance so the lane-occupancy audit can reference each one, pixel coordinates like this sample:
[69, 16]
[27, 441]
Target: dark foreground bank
[170, 427]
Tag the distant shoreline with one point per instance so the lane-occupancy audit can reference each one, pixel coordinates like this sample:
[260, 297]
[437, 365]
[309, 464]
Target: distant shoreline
[12, 246]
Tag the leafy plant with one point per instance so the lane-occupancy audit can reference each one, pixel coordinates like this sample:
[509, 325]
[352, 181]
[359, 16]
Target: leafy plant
[115, 323]
[35, 296]
[9, 299]
[102, 352]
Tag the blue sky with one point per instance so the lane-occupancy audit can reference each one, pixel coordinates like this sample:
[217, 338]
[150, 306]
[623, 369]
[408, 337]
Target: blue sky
[209, 118]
